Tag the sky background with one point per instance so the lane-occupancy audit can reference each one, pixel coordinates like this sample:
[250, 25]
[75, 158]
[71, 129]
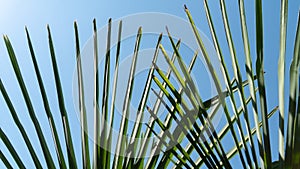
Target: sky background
[60, 15]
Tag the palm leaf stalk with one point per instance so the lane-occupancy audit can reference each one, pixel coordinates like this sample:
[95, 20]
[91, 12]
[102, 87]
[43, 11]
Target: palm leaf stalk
[195, 136]
[221, 134]
[188, 121]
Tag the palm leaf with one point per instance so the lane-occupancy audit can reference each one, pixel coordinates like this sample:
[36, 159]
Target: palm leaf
[216, 81]
[5, 161]
[112, 109]
[293, 113]
[20, 126]
[46, 105]
[120, 149]
[96, 152]
[11, 149]
[105, 95]
[64, 115]
[82, 109]
[140, 111]
[145, 143]
[238, 76]
[187, 130]
[281, 73]
[28, 102]
[201, 109]
[261, 82]
[249, 72]
[232, 152]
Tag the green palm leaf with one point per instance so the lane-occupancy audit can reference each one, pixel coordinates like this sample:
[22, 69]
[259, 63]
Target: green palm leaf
[64, 115]
[186, 136]
[28, 102]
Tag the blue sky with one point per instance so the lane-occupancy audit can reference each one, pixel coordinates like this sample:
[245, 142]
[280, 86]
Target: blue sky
[60, 15]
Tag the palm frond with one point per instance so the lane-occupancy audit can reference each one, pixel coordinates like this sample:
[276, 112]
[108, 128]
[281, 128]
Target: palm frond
[185, 136]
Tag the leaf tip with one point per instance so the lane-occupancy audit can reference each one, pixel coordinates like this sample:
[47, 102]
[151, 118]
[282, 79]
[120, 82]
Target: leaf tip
[5, 37]
[160, 46]
[48, 29]
[75, 23]
[185, 7]
[167, 29]
[94, 24]
[140, 30]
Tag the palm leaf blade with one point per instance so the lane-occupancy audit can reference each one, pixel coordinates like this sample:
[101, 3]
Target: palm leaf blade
[124, 122]
[82, 109]
[11, 149]
[64, 115]
[20, 126]
[261, 81]
[28, 102]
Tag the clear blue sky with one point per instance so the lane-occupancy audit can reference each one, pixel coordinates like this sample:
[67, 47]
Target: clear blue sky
[60, 15]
